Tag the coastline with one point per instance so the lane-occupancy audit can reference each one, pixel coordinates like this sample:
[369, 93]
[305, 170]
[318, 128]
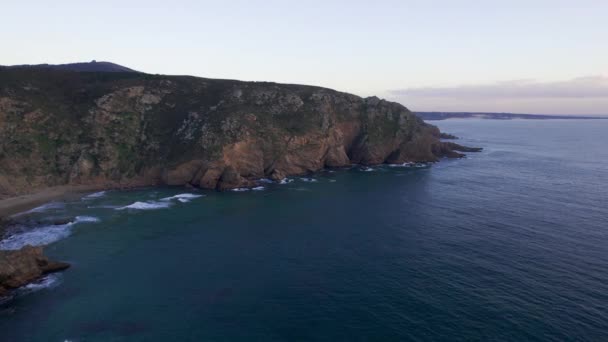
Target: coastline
[14, 205]
[11, 206]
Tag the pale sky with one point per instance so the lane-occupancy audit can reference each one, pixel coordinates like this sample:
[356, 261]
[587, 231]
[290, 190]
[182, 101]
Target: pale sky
[506, 56]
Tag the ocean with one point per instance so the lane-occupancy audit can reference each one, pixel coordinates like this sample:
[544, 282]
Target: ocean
[509, 244]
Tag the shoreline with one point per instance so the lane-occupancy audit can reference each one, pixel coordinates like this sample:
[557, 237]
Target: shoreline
[12, 206]
[15, 205]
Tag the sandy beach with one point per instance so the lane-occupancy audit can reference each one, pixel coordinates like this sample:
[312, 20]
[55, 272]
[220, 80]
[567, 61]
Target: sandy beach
[14, 205]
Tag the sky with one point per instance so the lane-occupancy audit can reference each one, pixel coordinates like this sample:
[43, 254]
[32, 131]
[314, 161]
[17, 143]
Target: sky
[535, 56]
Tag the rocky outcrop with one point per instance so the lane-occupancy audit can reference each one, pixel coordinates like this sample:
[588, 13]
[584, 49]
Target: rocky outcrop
[20, 267]
[447, 136]
[127, 129]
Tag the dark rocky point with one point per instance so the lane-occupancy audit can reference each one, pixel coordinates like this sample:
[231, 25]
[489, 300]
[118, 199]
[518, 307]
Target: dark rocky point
[20, 267]
[447, 136]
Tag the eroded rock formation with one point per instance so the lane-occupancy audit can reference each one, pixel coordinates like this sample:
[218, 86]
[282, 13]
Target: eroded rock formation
[20, 267]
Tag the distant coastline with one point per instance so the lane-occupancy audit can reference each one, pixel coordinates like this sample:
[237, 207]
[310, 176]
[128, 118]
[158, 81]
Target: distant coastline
[500, 116]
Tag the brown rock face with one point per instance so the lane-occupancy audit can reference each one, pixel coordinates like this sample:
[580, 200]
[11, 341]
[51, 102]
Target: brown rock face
[20, 267]
[124, 129]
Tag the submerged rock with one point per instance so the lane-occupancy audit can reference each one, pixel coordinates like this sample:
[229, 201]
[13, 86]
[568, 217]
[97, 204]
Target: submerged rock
[23, 266]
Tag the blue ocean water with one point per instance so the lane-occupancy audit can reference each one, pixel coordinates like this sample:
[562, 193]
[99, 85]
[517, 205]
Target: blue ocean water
[510, 244]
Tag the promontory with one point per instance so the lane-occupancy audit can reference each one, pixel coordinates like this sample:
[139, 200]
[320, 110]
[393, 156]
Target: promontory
[96, 128]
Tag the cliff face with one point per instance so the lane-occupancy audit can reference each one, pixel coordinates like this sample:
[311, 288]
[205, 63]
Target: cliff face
[124, 129]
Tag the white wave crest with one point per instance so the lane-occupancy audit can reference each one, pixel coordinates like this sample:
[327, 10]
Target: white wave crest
[240, 189]
[259, 188]
[44, 207]
[286, 181]
[44, 235]
[308, 180]
[266, 180]
[46, 282]
[406, 164]
[368, 169]
[37, 237]
[146, 206]
[105, 206]
[182, 197]
[94, 195]
[410, 164]
[91, 219]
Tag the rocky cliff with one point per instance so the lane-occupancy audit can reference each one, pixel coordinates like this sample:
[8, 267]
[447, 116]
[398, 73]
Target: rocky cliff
[120, 129]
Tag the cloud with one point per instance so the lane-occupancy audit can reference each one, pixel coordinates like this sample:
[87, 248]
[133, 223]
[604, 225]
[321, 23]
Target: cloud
[593, 87]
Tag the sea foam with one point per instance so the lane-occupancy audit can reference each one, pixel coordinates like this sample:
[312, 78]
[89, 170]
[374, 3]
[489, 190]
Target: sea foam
[184, 198]
[406, 164]
[46, 282]
[37, 237]
[146, 205]
[43, 235]
[90, 219]
[94, 195]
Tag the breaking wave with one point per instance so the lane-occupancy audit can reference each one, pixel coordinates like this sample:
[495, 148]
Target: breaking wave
[37, 237]
[43, 235]
[43, 208]
[105, 206]
[257, 188]
[46, 282]
[146, 205]
[409, 165]
[94, 195]
[184, 198]
[80, 219]
[308, 180]
[286, 181]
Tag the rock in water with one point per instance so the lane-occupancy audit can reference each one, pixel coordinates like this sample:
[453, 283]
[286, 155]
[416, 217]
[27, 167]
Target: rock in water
[113, 130]
[23, 266]
[447, 136]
